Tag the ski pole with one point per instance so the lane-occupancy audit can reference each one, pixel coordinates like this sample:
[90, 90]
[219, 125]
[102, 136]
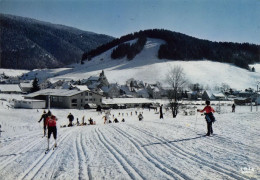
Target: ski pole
[196, 120]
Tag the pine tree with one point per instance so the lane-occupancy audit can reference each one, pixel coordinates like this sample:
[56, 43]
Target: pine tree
[35, 85]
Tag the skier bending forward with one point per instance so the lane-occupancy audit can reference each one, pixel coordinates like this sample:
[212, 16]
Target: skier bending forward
[52, 129]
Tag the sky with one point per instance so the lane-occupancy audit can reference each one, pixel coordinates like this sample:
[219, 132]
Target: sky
[215, 20]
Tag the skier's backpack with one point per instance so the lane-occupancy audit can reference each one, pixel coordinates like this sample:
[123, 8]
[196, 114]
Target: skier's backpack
[210, 117]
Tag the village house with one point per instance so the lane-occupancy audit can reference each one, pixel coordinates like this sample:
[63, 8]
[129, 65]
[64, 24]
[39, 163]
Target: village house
[10, 89]
[125, 91]
[112, 90]
[209, 95]
[97, 81]
[64, 98]
[154, 91]
[26, 86]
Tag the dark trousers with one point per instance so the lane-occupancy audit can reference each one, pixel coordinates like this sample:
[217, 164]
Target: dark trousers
[52, 130]
[161, 115]
[210, 130]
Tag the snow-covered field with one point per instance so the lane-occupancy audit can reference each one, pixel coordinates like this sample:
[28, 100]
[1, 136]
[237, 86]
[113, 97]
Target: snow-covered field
[149, 149]
[13, 72]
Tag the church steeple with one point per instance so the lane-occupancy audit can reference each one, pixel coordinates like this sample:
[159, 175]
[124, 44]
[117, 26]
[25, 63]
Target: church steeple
[103, 79]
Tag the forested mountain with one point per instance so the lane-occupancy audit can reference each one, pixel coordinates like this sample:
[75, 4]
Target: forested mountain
[182, 47]
[27, 43]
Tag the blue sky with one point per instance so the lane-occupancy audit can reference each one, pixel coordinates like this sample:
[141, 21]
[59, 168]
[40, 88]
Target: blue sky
[216, 20]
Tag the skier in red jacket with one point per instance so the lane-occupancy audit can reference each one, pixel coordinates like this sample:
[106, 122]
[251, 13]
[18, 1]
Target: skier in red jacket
[52, 129]
[208, 116]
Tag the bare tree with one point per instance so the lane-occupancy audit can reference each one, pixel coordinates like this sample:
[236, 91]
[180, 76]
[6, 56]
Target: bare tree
[176, 79]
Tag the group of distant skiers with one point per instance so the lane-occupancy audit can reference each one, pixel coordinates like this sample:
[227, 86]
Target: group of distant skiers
[49, 120]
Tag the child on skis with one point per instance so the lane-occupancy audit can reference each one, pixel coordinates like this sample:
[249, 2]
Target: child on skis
[52, 129]
[44, 117]
[208, 116]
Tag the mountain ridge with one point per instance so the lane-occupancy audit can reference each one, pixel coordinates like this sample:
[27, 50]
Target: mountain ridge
[27, 43]
[180, 46]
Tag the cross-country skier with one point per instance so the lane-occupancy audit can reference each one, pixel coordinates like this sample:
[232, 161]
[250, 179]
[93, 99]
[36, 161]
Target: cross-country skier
[44, 117]
[208, 116]
[52, 129]
[161, 113]
[71, 118]
[233, 108]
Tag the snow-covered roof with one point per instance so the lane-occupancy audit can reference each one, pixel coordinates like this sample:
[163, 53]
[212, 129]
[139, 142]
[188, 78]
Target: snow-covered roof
[54, 92]
[26, 85]
[142, 92]
[10, 88]
[93, 78]
[218, 94]
[82, 87]
[126, 100]
[30, 100]
[94, 85]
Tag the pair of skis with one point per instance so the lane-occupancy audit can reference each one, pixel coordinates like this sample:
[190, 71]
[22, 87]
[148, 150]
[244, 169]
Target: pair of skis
[53, 148]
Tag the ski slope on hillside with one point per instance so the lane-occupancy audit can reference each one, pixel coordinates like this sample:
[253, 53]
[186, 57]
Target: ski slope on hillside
[147, 67]
[148, 149]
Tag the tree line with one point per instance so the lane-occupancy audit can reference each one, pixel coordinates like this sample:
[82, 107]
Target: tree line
[181, 47]
[129, 50]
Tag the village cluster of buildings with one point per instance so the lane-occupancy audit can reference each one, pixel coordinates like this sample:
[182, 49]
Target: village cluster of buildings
[97, 91]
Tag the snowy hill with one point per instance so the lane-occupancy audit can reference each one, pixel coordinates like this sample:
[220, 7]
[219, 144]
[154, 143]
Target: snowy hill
[147, 67]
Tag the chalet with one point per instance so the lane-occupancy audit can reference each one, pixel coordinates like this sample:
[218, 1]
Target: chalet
[142, 93]
[64, 98]
[26, 87]
[154, 91]
[10, 89]
[209, 95]
[219, 96]
[113, 90]
[125, 91]
[97, 81]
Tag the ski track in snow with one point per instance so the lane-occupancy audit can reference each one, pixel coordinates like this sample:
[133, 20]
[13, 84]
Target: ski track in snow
[34, 169]
[128, 167]
[148, 149]
[193, 157]
[154, 160]
[81, 158]
[218, 139]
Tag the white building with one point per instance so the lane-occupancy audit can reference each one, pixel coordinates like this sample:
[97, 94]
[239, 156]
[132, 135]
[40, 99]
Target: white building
[26, 87]
[10, 88]
[69, 99]
[30, 104]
